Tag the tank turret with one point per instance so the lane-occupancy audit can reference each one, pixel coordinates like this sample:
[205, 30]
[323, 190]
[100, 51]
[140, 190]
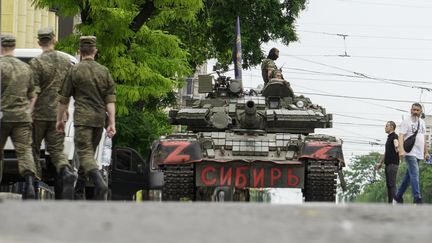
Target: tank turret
[276, 109]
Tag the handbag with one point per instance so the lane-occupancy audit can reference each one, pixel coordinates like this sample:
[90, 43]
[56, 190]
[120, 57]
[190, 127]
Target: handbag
[410, 141]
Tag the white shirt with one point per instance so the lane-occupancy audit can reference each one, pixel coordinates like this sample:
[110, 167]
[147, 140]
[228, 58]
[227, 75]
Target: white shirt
[408, 128]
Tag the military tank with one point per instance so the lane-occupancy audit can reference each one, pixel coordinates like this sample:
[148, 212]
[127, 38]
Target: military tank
[233, 141]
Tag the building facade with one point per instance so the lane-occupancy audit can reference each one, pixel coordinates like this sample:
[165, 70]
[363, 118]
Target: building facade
[21, 19]
[428, 122]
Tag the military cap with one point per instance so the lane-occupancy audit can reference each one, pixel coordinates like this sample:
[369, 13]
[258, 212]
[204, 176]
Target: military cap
[88, 40]
[46, 33]
[8, 40]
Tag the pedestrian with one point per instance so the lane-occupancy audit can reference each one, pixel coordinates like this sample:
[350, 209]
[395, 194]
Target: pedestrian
[92, 87]
[390, 159]
[413, 125]
[268, 65]
[49, 70]
[17, 101]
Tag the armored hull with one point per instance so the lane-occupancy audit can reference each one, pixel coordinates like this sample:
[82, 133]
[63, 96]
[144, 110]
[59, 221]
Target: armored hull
[235, 142]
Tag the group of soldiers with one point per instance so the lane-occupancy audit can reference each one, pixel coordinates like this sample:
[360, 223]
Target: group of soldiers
[34, 105]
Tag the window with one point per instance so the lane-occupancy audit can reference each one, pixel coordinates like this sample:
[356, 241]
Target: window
[127, 159]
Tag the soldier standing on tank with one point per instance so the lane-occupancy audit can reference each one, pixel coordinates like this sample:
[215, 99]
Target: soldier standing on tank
[17, 102]
[93, 89]
[390, 159]
[49, 70]
[268, 65]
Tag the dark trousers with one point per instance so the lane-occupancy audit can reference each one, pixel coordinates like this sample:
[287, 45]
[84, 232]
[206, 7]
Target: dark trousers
[390, 174]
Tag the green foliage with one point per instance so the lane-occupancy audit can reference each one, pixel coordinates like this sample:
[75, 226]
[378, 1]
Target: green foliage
[150, 126]
[426, 182]
[151, 45]
[146, 62]
[375, 192]
[361, 174]
[367, 185]
[212, 34]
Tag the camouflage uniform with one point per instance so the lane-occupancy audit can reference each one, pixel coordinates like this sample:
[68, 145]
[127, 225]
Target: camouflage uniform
[267, 64]
[49, 69]
[17, 89]
[92, 87]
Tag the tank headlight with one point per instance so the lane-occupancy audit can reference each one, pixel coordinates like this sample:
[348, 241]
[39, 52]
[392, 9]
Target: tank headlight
[300, 104]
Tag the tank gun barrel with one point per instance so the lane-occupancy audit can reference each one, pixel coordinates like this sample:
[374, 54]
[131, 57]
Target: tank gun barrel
[251, 119]
[250, 108]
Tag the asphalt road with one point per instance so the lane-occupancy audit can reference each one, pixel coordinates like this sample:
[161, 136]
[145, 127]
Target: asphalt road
[188, 222]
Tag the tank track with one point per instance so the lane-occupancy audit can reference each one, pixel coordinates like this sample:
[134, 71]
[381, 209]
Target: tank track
[179, 183]
[320, 183]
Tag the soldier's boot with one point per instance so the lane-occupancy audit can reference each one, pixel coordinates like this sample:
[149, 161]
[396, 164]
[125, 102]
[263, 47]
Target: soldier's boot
[29, 190]
[80, 188]
[101, 188]
[68, 183]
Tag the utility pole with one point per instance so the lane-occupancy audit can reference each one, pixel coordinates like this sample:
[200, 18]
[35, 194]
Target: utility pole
[344, 36]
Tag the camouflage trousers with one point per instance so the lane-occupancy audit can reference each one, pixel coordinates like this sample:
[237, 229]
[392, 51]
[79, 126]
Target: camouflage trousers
[86, 141]
[54, 144]
[21, 136]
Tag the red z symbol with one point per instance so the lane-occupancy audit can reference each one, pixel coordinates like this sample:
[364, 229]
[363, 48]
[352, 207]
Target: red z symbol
[176, 156]
[322, 152]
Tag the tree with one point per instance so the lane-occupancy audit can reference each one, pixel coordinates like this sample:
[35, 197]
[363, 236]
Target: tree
[361, 174]
[146, 62]
[150, 45]
[425, 182]
[212, 34]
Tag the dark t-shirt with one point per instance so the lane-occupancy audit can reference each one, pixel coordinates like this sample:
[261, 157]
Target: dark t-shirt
[391, 156]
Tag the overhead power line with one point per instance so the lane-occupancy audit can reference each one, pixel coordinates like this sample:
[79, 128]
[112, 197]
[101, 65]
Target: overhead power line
[356, 75]
[359, 74]
[386, 26]
[324, 64]
[371, 113]
[358, 117]
[353, 132]
[366, 36]
[358, 124]
[361, 138]
[364, 98]
[331, 80]
[366, 47]
[371, 57]
[385, 4]
[363, 143]
[395, 58]
[363, 101]
[317, 79]
[355, 79]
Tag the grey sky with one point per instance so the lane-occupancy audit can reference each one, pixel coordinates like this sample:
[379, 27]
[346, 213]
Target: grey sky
[387, 39]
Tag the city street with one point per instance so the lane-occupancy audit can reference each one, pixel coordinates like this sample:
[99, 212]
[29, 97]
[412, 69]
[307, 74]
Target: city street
[52, 221]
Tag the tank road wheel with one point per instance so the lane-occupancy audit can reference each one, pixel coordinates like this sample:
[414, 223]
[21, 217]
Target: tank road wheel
[320, 183]
[179, 183]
